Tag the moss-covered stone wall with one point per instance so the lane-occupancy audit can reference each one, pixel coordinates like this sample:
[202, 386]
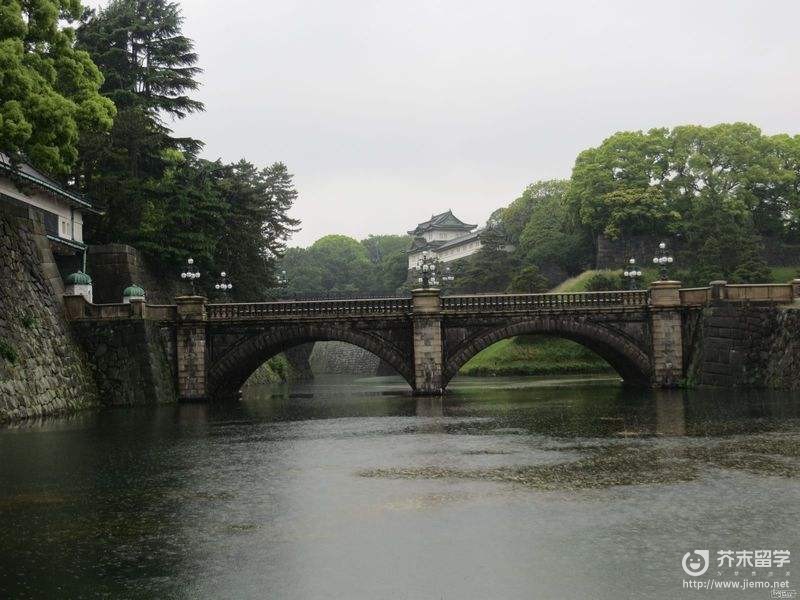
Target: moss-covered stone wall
[43, 371]
[132, 360]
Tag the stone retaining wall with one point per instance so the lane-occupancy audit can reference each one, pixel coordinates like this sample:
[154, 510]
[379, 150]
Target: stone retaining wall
[42, 369]
[746, 345]
[133, 361]
[113, 267]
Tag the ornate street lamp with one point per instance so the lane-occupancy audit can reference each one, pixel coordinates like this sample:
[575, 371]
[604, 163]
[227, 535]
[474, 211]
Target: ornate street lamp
[448, 276]
[223, 286]
[191, 273]
[274, 292]
[662, 259]
[282, 279]
[632, 274]
[426, 270]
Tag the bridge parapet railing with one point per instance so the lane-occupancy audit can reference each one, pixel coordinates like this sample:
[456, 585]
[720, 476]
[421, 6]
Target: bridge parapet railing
[77, 308]
[695, 296]
[755, 292]
[317, 308]
[777, 293]
[550, 301]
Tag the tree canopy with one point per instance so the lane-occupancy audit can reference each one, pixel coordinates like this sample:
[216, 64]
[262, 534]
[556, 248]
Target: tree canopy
[49, 90]
[158, 194]
[341, 264]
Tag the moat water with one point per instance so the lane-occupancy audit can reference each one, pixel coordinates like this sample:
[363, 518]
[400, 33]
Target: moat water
[507, 488]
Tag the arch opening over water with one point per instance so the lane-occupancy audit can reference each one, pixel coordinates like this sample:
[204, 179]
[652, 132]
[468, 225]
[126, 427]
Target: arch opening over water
[622, 354]
[234, 367]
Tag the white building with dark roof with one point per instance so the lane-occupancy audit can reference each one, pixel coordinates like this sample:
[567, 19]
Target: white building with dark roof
[62, 209]
[443, 236]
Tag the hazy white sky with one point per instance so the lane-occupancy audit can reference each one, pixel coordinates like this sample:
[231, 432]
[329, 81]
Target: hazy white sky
[389, 111]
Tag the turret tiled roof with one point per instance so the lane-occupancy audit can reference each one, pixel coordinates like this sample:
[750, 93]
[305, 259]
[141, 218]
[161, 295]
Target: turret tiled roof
[445, 220]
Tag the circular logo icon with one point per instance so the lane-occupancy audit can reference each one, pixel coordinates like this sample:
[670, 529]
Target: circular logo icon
[695, 563]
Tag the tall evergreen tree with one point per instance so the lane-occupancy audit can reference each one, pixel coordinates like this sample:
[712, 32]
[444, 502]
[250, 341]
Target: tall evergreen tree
[148, 63]
[149, 68]
[277, 225]
[256, 225]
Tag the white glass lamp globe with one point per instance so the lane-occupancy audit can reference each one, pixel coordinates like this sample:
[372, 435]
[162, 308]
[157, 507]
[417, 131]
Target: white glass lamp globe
[655, 260]
[222, 274]
[669, 259]
[632, 261]
[626, 274]
[183, 275]
[662, 245]
[190, 261]
[216, 286]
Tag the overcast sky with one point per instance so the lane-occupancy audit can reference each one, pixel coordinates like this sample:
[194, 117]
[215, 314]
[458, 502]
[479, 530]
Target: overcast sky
[389, 111]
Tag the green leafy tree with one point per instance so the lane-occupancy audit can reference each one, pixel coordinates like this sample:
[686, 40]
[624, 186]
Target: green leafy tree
[390, 262]
[604, 282]
[303, 273]
[490, 269]
[549, 239]
[529, 280]
[700, 184]
[48, 89]
[334, 263]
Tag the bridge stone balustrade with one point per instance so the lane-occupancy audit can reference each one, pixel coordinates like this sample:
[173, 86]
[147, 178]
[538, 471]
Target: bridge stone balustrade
[427, 338]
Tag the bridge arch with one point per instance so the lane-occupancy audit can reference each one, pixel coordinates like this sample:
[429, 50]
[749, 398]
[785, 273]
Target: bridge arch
[228, 373]
[626, 356]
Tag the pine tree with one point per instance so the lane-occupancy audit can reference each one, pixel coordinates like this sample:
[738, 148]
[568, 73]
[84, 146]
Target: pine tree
[281, 194]
[149, 66]
[146, 60]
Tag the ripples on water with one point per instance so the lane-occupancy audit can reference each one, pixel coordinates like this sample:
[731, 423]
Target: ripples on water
[354, 489]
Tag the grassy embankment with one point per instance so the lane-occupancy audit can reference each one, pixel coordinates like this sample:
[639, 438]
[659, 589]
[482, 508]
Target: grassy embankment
[539, 354]
[276, 370]
[543, 355]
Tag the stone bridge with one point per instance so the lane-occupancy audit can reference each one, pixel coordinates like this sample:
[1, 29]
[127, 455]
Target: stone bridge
[426, 338]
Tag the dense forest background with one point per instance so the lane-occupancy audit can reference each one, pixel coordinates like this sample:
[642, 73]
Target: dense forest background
[87, 96]
[720, 196]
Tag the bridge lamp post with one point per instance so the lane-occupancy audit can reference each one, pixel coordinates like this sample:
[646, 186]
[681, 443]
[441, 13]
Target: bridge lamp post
[632, 274]
[662, 259]
[283, 281]
[448, 276]
[426, 269]
[223, 286]
[191, 273]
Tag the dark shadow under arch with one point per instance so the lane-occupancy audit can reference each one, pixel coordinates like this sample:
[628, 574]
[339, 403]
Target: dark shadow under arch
[624, 355]
[227, 374]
